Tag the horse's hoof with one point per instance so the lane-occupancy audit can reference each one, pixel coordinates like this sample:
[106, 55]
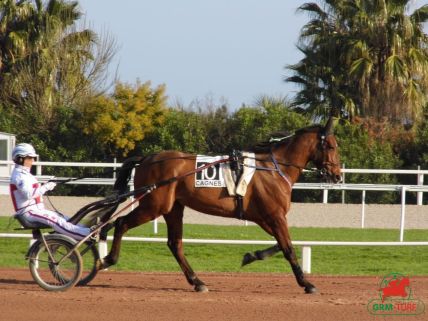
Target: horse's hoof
[248, 258]
[202, 288]
[99, 264]
[310, 289]
[103, 264]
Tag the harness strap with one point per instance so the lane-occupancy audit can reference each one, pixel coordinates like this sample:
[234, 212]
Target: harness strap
[276, 169]
[237, 170]
[143, 191]
[280, 172]
[281, 163]
[197, 170]
[239, 207]
[239, 200]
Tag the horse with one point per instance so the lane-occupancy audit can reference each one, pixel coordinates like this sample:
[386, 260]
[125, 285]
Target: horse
[170, 175]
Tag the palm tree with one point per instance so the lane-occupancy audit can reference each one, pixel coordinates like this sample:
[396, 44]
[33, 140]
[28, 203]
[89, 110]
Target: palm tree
[369, 58]
[13, 32]
[59, 52]
[51, 64]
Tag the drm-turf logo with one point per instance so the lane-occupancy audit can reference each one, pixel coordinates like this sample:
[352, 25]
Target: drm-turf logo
[395, 297]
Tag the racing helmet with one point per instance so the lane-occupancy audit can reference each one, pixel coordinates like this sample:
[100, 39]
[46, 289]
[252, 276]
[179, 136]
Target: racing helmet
[23, 150]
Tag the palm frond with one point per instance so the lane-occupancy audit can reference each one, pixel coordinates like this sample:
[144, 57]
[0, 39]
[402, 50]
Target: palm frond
[420, 15]
[313, 9]
[396, 67]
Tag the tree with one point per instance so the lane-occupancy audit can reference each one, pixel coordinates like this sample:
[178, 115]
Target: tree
[214, 130]
[254, 124]
[182, 130]
[13, 32]
[120, 121]
[46, 62]
[359, 149]
[367, 57]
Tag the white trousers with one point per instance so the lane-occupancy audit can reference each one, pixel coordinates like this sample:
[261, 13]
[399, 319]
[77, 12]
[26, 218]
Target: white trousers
[57, 222]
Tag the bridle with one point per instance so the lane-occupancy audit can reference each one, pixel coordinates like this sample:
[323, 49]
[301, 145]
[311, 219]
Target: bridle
[323, 171]
[323, 146]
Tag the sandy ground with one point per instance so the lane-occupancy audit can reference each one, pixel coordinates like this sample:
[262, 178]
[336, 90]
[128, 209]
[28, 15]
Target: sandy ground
[300, 215]
[233, 296]
[167, 296]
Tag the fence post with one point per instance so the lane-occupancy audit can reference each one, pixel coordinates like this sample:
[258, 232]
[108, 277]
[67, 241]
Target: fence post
[363, 208]
[131, 188]
[39, 170]
[403, 211]
[155, 226]
[325, 196]
[114, 168]
[420, 182]
[343, 182]
[306, 259]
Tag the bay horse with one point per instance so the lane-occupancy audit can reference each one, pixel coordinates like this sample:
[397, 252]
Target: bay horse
[279, 164]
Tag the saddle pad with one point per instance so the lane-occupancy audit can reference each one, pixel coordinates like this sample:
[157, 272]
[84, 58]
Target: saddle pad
[220, 175]
[240, 188]
[211, 176]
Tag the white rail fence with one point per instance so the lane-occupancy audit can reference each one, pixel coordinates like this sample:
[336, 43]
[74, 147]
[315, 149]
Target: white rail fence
[402, 189]
[306, 245]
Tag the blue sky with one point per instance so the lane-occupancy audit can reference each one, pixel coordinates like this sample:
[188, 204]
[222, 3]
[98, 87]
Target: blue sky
[230, 51]
[233, 50]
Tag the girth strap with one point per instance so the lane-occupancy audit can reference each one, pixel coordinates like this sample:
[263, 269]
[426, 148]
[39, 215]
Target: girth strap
[237, 169]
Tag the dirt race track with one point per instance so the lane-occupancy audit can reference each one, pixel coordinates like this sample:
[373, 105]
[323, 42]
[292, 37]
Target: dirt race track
[121, 296]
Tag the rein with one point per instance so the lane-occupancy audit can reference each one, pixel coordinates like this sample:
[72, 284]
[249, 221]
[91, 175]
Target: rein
[176, 178]
[226, 160]
[271, 159]
[279, 163]
[65, 181]
[255, 158]
[197, 170]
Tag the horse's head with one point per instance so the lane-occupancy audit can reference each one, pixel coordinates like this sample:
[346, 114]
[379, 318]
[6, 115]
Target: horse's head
[326, 157]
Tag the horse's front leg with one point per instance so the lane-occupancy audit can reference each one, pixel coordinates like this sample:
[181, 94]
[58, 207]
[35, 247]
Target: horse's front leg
[290, 255]
[174, 221]
[282, 235]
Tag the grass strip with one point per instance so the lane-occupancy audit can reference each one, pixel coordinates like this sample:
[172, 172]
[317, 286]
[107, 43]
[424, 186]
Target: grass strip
[337, 260]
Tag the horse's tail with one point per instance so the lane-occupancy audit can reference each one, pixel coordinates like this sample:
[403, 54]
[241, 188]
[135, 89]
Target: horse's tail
[120, 187]
[122, 180]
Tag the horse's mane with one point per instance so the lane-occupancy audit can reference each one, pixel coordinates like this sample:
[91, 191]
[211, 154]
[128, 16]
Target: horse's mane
[279, 138]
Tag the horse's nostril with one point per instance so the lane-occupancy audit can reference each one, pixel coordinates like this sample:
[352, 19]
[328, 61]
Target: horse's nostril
[338, 178]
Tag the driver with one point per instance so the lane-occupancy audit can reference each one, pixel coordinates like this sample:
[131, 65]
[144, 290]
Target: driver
[26, 193]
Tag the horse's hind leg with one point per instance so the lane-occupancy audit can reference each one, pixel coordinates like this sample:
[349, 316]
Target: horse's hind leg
[138, 216]
[174, 221]
[260, 254]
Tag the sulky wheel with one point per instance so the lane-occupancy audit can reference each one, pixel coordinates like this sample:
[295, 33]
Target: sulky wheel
[90, 256]
[50, 269]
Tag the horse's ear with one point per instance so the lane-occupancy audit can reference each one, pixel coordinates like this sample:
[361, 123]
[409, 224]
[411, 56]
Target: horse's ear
[329, 126]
